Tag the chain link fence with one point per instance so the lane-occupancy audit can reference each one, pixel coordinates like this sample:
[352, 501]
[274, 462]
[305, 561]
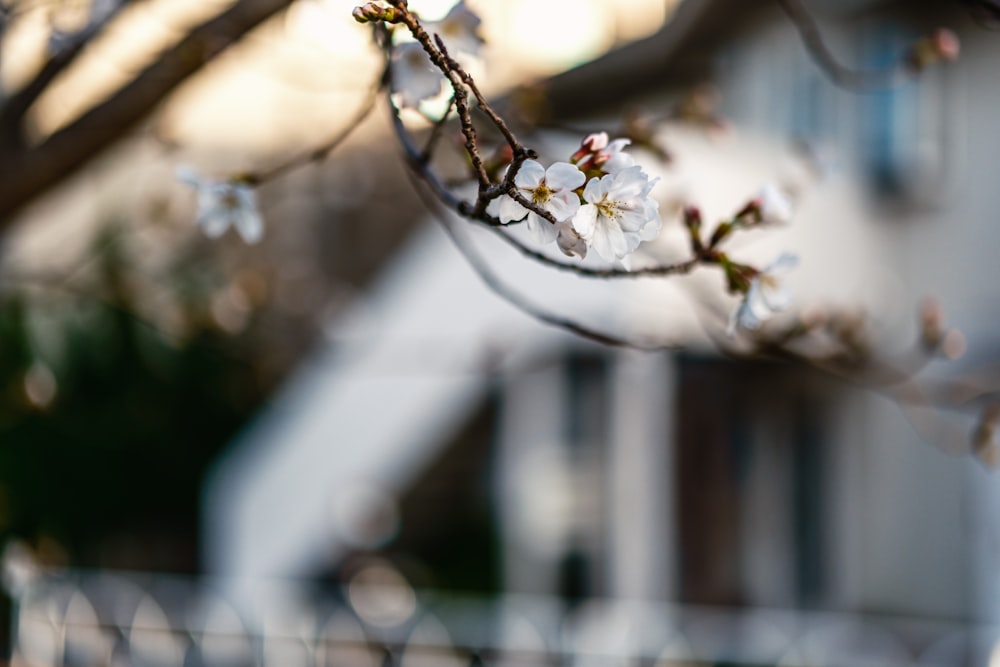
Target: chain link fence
[77, 618]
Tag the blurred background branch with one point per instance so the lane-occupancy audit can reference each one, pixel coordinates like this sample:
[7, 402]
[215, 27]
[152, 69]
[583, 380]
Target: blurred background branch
[42, 165]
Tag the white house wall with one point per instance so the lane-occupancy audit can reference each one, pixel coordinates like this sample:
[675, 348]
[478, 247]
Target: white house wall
[906, 517]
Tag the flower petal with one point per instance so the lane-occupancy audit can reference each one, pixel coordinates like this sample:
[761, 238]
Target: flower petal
[596, 189]
[631, 183]
[510, 210]
[247, 218]
[414, 77]
[785, 263]
[541, 230]
[651, 229]
[529, 175]
[564, 176]
[585, 220]
[570, 242]
[214, 221]
[775, 206]
[618, 145]
[188, 176]
[608, 240]
[618, 162]
[563, 205]
[757, 306]
[743, 317]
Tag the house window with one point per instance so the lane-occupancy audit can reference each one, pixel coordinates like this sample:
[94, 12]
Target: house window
[586, 428]
[905, 127]
[750, 484]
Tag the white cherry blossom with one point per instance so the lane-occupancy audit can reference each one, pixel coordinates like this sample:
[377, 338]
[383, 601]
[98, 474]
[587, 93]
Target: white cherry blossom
[613, 158]
[766, 296]
[414, 77]
[225, 204]
[619, 213]
[551, 190]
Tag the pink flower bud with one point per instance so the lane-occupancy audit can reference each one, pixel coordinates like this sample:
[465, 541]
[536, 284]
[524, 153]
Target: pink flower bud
[591, 145]
[597, 141]
[945, 44]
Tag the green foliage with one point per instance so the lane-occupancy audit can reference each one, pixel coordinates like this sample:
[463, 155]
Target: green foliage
[118, 450]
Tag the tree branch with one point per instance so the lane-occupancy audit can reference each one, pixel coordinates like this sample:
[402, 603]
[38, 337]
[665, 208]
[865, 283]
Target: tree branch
[16, 106]
[66, 150]
[845, 77]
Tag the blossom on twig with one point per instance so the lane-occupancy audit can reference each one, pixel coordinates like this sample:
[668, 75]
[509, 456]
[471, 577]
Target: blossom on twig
[619, 213]
[550, 189]
[225, 204]
[766, 295]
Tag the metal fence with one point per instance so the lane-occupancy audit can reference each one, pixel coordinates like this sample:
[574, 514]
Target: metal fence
[102, 618]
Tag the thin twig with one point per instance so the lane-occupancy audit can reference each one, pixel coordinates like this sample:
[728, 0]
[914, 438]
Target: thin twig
[845, 77]
[591, 272]
[321, 152]
[519, 301]
[436, 132]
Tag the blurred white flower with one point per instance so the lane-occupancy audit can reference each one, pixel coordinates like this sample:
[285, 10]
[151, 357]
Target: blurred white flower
[414, 77]
[619, 213]
[459, 30]
[775, 206]
[550, 189]
[225, 204]
[766, 296]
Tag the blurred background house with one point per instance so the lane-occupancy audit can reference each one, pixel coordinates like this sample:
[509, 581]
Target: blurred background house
[424, 433]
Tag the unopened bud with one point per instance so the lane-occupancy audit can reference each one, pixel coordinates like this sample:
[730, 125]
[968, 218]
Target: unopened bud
[692, 216]
[597, 141]
[945, 44]
[591, 145]
[692, 220]
[942, 44]
[371, 11]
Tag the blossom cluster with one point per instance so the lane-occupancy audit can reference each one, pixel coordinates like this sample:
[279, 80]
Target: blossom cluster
[600, 200]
